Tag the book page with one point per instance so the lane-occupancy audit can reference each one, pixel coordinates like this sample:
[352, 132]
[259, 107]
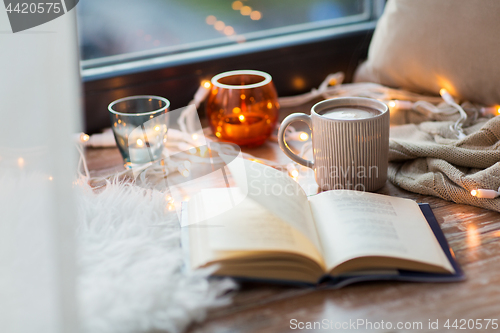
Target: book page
[354, 224]
[247, 227]
[279, 194]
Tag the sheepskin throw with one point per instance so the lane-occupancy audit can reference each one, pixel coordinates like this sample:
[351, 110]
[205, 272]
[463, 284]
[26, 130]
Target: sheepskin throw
[131, 276]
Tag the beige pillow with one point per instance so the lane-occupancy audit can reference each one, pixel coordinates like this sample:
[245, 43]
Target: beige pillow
[426, 45]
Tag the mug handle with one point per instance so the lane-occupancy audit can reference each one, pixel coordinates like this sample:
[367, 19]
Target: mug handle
[281, 137]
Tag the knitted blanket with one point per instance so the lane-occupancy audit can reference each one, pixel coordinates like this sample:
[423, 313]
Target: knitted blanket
[428, 159]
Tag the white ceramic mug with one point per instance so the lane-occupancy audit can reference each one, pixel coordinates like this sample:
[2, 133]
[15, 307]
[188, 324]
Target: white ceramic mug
[350, 152]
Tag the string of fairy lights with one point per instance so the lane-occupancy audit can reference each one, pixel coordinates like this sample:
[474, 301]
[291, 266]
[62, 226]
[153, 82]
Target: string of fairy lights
[228, 30]
[187, 141]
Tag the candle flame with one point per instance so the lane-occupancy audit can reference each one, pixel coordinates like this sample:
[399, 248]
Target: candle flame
[242, 118]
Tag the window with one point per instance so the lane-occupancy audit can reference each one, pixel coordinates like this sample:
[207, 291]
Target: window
[115, 31]
[166, 47]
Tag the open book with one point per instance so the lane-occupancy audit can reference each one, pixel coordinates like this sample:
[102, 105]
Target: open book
[268, 229]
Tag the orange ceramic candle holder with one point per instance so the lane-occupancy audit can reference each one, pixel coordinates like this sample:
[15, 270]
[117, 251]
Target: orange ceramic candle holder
[242, 107]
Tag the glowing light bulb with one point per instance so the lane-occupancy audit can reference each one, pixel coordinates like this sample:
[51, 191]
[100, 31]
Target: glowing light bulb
[229, 30]
[84, 137]
[400, 105]
[195, 137]
[303, 136]
[211, 19]
[255, 15]
[186, 198]
[245, 10]
[484, 194]
[206, 84]
[219, 25]
[157, 128]
[237, 5]
[51, 178]
[241, 118]
[292, 171]
[217, 134]
[490, 110]
[446, 96]
[20, 162]
[140, 143]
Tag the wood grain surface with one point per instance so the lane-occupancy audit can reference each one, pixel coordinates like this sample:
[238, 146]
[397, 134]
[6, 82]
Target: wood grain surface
[473, 233]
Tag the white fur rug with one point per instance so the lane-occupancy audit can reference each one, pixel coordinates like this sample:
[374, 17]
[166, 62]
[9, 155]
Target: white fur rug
[131, 267]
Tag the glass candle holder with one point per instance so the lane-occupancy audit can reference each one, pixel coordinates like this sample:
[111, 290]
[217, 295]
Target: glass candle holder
[242, 107]
[139, 124]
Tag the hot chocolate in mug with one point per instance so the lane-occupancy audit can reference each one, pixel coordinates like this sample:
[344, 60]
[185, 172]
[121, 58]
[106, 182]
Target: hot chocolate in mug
[350, 140]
